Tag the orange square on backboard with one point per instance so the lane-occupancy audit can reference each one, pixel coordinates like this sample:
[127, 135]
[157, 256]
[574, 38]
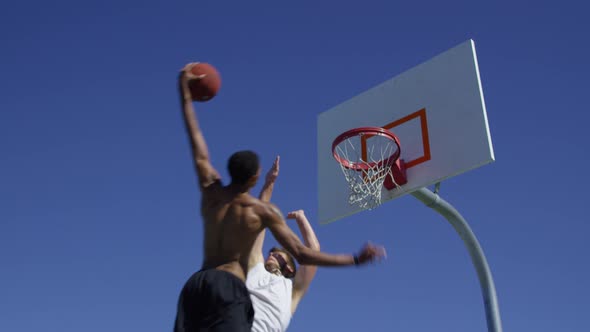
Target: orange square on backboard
[421, 115]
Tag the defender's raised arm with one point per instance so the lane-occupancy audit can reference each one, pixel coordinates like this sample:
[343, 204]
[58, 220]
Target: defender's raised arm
[306, 273]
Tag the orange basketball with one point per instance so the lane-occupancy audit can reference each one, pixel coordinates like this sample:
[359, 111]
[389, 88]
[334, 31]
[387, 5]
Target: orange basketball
[206, 82]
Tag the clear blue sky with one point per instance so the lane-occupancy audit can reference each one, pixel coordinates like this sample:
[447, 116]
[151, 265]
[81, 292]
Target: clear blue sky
[99, 209]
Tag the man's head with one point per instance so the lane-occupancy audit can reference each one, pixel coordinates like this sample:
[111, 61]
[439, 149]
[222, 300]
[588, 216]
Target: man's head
[244, 168]
[279, 259]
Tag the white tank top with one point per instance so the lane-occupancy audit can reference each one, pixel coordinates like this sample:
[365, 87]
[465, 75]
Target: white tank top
[271, 298]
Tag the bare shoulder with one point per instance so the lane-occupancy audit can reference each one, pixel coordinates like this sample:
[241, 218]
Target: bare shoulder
[269, 212]
[213, 191]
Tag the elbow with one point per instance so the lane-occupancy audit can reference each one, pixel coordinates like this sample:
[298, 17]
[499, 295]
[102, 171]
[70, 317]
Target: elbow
[303, 255]
[315, 246]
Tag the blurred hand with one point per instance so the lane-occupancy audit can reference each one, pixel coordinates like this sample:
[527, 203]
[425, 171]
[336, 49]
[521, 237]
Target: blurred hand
[371, 253]
[185, 76]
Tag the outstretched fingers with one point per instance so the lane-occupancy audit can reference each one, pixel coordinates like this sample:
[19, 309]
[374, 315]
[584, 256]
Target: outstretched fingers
[187, 73]
[273, 173]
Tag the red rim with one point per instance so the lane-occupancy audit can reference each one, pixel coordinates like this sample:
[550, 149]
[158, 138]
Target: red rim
[366, 131]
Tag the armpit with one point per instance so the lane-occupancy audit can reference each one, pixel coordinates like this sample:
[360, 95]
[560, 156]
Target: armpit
[211, 182]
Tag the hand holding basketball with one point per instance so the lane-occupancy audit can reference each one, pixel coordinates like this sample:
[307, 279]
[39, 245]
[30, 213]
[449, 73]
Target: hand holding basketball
[200, 80]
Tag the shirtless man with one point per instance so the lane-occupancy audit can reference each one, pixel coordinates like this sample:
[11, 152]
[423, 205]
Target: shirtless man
[216, 298]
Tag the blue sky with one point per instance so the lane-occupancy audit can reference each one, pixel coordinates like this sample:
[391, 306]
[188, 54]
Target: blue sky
[99, 221]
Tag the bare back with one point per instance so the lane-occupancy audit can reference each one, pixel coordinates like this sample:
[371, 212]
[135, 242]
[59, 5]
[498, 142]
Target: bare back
[231, 224]
[232, 218]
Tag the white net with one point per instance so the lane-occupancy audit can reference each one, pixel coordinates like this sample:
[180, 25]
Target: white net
[369, 164]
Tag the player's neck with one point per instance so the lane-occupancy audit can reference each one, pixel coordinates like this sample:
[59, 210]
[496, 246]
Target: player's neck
[239, 188]
[276, 272]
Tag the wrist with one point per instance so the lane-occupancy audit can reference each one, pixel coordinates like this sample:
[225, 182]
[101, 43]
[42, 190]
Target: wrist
[355, 259]
[185, 94]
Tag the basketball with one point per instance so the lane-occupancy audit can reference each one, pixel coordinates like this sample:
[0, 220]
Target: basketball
[206, 82]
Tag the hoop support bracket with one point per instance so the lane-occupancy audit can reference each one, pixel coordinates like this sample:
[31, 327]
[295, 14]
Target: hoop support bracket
[398, 175]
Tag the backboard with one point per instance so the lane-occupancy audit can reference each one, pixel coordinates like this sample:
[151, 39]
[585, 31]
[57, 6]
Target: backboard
[437, 111]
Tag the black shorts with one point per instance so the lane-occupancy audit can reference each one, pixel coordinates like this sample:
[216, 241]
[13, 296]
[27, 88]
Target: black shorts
[214, 300]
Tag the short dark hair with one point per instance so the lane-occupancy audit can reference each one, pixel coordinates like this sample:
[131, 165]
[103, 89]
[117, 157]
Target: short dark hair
[290, 261]
[242, 166]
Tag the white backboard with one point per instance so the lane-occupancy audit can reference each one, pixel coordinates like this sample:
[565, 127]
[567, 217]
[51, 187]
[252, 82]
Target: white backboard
[436, 109]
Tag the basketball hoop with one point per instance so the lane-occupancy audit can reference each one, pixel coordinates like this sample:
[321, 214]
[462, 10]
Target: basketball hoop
[369, 159]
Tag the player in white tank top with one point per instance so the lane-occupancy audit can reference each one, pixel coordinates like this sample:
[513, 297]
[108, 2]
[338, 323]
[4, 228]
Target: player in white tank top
[275, 285]
[271, 299]
[274, 291]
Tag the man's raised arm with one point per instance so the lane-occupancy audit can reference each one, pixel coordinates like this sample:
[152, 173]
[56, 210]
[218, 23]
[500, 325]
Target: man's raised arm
[269, 183]
[206, 173]
[306, 273]
[256, 255]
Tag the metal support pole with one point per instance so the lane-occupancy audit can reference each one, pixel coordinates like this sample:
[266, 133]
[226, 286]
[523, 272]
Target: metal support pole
[460, 225]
